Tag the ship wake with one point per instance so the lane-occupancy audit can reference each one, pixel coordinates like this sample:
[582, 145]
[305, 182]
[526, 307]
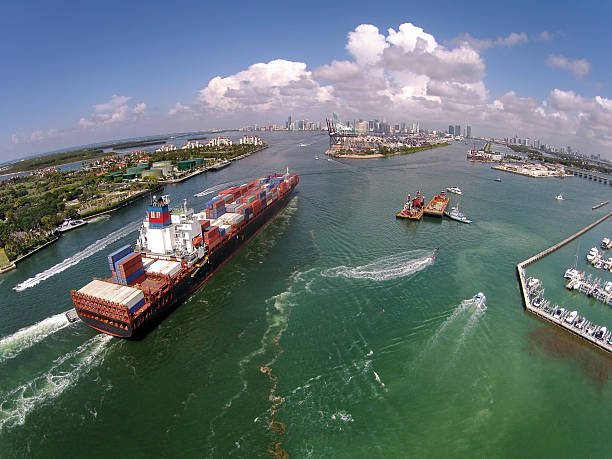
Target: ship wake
[396, 266]
[13, 345]
[17, 403]
[211, 190]
[75, 259]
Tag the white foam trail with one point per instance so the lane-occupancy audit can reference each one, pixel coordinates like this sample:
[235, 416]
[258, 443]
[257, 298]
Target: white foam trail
[211, 190]
[78, 257]
[393, 267]
[100, 218]
[378, 379]
[64, 373]
[12, 345]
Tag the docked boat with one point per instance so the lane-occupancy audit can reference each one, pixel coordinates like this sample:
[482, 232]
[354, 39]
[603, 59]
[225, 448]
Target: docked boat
[457, 215]
[570, 273]
[593, 253]
[606, 243]
[68, 225]
[454, 189]
[437, 205]
[559, 197]
[413, 208]
[219, 166]
[601, 204]
[571, 317]
[177, 252]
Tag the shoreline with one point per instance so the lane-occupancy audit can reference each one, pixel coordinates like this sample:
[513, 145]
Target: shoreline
[329, 152]
[526, 174]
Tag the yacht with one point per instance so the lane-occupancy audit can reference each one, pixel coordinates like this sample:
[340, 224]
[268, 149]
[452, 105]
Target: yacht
[571, 273]
[606, 243]
[537, 302]
[559, 197]
[454, 189]
[571, 317]
[67, 225]
[579, 323]
[592, 254]
[533, 283]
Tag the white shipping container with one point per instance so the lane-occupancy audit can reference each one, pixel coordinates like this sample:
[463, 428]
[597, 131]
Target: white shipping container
[172, 268]
[147, 261]
[115, 293]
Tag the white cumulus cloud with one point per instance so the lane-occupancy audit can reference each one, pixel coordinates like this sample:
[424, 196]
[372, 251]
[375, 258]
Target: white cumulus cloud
[579, 67]
[114, 110]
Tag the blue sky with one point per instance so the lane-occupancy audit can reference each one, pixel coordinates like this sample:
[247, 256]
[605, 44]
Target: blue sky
[81, 72]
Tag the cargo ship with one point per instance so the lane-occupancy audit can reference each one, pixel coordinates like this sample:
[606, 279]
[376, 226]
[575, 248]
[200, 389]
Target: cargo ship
[413, 209]
[437, 205]
[177, 251]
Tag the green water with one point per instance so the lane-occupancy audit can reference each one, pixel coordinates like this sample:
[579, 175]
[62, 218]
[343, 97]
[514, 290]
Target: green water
[332, 334]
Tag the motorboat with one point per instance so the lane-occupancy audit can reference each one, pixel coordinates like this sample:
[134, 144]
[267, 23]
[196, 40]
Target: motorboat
[592, 254]
[571, 317]
[590, 329]
[457, 215]
[571, 273]
[601, 333]
[316, 157]
[498, 179]
[533, 284]
[606, 243]
[559, 197]
[608, 287]
[69, 224]
[537, 302]
[454, 189]
[479, 300]
[579, 323]
[559, 312]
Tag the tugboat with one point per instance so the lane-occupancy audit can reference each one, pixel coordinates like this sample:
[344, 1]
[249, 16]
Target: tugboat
[437, 205]
[413, 209]
[456, 215]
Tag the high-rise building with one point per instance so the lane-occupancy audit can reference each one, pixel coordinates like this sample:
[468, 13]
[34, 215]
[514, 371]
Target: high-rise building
[468, 131]
[288, 124]
[451, 129]
[457, 130]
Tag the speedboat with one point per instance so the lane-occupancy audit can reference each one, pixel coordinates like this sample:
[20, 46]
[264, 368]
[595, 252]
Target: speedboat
[608, 287]
[559, 197]
[605, 243]
[316, 157]
[454, 189]
[498, 179]
[592, 254]
[571, 317]
[479, 300]
[456, 215]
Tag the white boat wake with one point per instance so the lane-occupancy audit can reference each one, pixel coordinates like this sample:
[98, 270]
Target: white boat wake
[211, 190]
[386, 268]
[12, 345]
[17, 403]
[78, 257]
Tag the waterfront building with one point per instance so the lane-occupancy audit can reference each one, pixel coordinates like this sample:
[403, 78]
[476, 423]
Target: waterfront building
[468, 131]
[167, 147]
[457, 130]
[451, 129]
[250, 140]
[190, 145]
[219, 142]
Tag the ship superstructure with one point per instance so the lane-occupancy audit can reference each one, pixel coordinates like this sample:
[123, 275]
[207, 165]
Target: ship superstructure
[176, 253]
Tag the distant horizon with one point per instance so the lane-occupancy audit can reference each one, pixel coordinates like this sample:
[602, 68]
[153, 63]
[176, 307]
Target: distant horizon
[534, 75]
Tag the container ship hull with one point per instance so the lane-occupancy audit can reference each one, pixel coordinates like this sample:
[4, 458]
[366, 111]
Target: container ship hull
[161, 302]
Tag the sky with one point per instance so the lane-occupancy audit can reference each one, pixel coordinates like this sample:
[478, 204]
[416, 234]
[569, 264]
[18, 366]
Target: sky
[75, 73]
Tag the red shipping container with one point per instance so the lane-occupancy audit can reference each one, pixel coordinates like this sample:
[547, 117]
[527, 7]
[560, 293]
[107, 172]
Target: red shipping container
[204, 224]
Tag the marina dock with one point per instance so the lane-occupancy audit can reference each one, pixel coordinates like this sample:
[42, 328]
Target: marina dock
[541, 312]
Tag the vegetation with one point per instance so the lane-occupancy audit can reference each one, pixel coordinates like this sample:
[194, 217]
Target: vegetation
[407, 150]
[3, 258]
[126, 145]
[55, 159]
[205, 152]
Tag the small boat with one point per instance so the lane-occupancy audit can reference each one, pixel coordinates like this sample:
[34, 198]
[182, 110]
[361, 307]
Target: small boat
[456, 215]
[413, 208]
[606, 243]
[454, 189]
[571, 317]
[597, 206]
[316, 157]
[601, 333]
[571, 273]
[72, 316]
[479, 300]
[68, 225]
[498, 179]
[559, 197]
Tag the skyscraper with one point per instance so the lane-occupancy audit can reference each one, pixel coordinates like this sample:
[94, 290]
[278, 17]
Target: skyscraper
[468, 131]
[451, 129]
[457, 130]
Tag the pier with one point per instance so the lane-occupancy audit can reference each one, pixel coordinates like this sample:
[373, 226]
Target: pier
[541, 313]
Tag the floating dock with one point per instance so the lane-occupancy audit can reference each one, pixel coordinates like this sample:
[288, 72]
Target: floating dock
[520, 268]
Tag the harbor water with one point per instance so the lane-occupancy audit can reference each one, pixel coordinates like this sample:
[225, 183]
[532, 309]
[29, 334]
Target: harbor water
[338, 331]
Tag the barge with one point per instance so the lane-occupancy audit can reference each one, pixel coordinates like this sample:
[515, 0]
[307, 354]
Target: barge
[437, 205]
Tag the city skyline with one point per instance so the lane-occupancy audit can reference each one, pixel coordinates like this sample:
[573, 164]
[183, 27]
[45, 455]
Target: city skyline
[530, 76]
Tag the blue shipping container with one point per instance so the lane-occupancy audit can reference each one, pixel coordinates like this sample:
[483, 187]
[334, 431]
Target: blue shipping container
[137, 306]
[118, 254]
[221, 231]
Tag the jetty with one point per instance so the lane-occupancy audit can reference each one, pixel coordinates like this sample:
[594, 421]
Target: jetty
[540, 312]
